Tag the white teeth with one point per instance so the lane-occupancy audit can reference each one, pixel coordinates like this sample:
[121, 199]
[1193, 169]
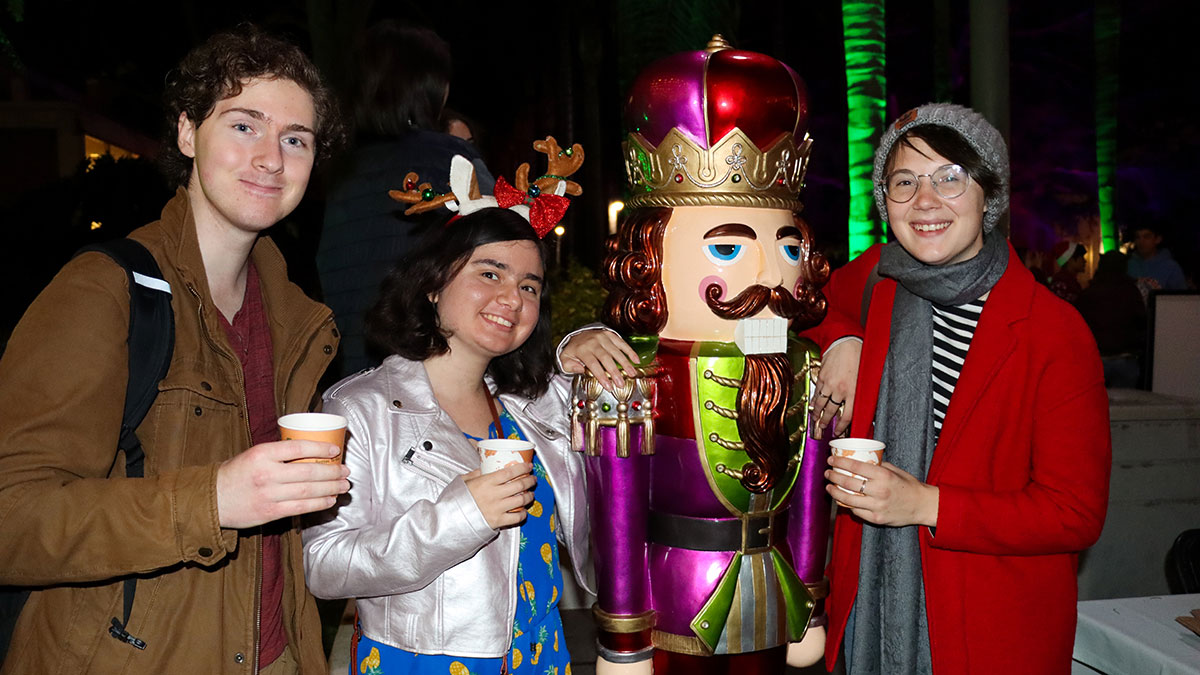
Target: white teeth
[932, 227]
[500, 320]
[761, 336]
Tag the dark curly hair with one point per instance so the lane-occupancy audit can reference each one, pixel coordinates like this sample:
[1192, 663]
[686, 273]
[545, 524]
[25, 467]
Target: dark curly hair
[219, 68]
[405, 322]
[636, 303]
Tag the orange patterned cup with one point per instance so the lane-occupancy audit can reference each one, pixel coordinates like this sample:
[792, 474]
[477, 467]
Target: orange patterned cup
[322, 427]
[497, 453]
[861, 449]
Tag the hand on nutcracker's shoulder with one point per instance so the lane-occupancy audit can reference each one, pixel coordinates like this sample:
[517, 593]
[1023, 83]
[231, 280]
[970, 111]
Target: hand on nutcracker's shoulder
[837, 381]
[601, 352]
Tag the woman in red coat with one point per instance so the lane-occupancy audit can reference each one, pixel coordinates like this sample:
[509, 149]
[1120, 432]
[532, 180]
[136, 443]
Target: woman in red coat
[959, 553]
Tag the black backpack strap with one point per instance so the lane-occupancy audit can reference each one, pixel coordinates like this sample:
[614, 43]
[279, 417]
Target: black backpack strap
[151, 343]
[151, 340]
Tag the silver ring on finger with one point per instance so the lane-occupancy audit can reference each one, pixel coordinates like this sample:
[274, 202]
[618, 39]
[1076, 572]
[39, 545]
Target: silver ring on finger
[862, 490]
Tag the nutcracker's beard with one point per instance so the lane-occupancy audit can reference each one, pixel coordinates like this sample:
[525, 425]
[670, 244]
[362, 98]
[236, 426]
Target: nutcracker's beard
[752, 301]
[761, 405]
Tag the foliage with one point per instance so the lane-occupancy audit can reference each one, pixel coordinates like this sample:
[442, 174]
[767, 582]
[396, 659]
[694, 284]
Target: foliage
[575, 300]
[16, 10]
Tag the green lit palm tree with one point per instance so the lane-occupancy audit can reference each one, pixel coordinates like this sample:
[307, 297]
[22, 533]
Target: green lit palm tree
[863, 34]
[1108, 27]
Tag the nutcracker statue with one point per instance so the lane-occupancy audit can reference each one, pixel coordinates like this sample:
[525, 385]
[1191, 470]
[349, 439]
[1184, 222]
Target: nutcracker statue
[709, 518]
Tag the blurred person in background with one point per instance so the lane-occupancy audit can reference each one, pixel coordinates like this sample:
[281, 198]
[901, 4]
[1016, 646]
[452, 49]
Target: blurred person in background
[1151, 263]
[1071, 259]
[458, 124]
[1113, 308]
[403, 79]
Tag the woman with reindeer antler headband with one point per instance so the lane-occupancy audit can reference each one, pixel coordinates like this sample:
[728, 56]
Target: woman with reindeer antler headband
[457, 571]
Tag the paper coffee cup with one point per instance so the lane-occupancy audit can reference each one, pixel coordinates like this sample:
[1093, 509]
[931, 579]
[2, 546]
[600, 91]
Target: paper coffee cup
[862, 449]
[497, 453]
[322, 427]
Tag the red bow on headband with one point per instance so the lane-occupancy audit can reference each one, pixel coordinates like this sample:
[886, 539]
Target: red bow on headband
[545, 210]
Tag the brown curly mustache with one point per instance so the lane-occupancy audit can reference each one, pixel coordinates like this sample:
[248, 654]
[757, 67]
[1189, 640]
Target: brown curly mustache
[751, 301]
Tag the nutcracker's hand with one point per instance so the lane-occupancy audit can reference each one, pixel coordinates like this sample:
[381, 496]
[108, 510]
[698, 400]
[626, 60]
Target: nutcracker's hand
[640, 668]
[809, 650]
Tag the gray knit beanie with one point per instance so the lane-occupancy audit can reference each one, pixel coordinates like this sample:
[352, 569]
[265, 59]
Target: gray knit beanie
[981, 136]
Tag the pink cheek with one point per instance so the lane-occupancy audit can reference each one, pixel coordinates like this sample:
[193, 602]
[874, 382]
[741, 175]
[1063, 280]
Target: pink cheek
[798, 287]
[709, 281]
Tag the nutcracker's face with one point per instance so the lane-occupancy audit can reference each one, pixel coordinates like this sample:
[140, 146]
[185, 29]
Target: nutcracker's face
[722, 264]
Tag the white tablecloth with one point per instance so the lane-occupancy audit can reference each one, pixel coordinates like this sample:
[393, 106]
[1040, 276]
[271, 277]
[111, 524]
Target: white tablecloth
[1137, 635]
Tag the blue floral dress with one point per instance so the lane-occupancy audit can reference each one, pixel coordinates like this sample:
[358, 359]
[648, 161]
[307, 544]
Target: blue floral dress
[539, 646]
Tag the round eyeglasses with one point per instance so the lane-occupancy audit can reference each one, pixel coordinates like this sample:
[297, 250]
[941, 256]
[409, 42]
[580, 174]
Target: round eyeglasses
[948, 181]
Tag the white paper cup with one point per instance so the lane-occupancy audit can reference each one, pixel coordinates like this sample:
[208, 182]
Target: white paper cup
[311, 426]
[862, 449]
[497, 453]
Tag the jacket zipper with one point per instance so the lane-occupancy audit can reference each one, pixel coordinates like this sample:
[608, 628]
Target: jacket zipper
[514, 559]
[258, 572]
[245, 415]
[428, 457]
[258, 601]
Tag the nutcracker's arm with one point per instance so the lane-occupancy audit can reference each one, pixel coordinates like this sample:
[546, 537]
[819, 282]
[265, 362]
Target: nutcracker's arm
[615, 430]
[809, 508]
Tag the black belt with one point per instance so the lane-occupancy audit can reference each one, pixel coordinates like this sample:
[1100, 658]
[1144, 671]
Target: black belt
[727, 534]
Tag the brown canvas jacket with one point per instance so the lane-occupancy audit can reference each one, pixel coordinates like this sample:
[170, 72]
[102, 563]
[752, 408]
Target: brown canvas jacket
[71, 523]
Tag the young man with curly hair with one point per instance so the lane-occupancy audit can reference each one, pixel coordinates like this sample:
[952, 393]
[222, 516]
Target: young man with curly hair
[208, 533]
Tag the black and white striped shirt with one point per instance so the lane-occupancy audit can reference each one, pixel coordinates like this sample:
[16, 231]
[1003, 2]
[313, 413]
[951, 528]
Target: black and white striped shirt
[953, 328]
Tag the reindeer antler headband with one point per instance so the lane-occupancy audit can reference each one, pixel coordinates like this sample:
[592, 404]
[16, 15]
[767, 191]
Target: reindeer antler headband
[541, 202]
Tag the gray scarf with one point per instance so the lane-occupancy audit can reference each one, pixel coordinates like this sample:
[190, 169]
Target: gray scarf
[888, 631]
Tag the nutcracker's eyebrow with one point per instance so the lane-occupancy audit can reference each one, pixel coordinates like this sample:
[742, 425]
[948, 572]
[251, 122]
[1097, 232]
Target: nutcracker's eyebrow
[731, 230]
[788, 231]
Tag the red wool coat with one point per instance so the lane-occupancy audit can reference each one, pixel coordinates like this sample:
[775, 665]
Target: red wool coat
[1022, 466]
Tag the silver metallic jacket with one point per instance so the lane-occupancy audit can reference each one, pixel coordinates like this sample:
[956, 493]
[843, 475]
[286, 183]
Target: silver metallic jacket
[408, 540]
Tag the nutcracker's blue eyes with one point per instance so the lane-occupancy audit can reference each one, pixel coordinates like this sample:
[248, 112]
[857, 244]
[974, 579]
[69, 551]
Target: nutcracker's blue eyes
[723, 254]
[791, 253]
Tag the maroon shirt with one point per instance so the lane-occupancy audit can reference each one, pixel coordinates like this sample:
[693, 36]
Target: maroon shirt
[250, 336]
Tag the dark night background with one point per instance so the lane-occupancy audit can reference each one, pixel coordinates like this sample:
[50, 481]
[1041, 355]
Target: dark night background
[527, 70]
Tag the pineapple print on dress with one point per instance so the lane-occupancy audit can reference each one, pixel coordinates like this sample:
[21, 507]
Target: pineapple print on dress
[457, 668]
[370, 663]
[543, 635]
[527, 595]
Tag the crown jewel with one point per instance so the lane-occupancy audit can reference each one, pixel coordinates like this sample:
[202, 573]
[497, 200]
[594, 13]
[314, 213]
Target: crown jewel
[717, 127]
